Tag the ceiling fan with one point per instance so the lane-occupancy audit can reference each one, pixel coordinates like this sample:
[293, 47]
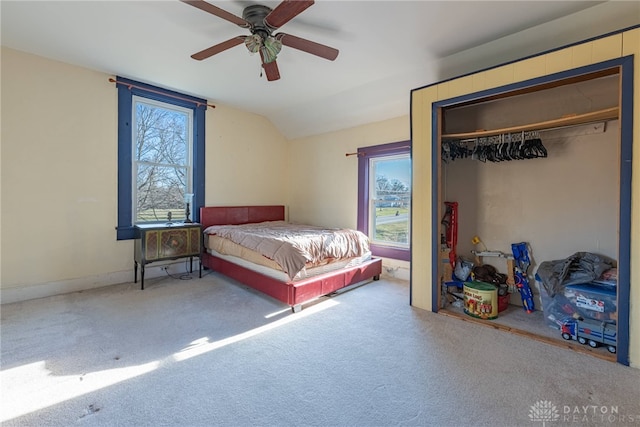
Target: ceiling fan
[262, 21]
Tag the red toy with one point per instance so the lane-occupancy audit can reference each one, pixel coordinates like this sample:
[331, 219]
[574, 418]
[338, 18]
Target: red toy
[450, 222]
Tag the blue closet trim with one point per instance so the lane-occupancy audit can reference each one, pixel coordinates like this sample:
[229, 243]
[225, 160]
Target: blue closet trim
[625, 65]
[624, 251]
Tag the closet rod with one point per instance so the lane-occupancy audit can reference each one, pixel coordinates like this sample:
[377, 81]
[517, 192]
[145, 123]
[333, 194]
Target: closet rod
[573, 120]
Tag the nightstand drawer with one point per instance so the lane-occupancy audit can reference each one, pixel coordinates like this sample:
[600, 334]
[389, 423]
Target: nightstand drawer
[176, 242]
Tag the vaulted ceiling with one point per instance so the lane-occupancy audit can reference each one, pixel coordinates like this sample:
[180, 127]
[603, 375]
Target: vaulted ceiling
[386, 49]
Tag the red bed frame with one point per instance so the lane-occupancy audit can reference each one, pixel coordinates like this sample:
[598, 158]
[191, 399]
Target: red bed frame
[292, 293]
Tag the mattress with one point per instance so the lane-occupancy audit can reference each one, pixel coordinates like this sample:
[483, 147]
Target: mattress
[227, 247]
[287, 247]
[305, 273]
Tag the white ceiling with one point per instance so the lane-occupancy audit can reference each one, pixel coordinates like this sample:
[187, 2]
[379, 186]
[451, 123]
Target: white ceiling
[386, 49]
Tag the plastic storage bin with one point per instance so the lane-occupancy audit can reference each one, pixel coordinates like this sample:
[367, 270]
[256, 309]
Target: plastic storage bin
[555, 309]
[587, 300]
[593, 301]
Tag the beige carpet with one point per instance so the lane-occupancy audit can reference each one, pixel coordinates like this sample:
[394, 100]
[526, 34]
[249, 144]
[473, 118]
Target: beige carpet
[210, 352]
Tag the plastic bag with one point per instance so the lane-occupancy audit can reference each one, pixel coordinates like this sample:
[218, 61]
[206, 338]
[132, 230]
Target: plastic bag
[463, 269]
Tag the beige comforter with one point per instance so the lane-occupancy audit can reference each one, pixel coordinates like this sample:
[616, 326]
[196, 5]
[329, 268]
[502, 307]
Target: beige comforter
[293, 246]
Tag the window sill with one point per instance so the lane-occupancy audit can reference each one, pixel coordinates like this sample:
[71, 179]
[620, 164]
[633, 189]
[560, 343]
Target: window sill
[393, 253]
[125, 233]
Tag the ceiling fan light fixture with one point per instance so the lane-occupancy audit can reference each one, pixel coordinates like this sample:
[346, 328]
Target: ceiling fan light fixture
[270, 49]
[253, 43]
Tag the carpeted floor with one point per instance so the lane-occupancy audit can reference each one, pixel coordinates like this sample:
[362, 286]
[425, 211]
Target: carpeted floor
[210, 352]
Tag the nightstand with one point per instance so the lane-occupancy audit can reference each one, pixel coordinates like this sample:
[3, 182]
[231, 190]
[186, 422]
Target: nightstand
[160, 242]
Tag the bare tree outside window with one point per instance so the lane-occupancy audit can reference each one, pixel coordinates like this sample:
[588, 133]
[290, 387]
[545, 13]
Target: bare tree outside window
[162, 166]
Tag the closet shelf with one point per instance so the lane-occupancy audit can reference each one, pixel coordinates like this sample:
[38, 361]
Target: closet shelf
[573, 120]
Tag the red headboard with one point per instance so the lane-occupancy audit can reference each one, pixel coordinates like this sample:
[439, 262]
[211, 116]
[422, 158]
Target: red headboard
[219, 215]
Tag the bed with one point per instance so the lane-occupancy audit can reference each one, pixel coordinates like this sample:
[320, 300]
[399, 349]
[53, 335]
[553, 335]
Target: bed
[307, 285]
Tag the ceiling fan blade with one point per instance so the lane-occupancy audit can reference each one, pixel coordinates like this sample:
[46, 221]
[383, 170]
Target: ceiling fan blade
[220, 13]
[308, 46]
[220, 47]
[286, 11]
[270, 69]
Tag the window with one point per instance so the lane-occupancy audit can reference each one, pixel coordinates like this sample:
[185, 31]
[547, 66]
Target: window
[162, 169]
[160, 155]
[384, 198]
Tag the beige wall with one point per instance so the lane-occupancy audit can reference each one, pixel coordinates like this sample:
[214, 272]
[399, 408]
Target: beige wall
[59, 166]
[246, 159]
[324, 180]
[615, 46]
[59, 175]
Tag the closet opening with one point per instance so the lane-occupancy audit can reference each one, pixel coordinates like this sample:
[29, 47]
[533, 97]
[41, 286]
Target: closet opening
[527, 176]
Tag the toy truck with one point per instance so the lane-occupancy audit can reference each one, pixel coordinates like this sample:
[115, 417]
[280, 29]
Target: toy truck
[591, 332]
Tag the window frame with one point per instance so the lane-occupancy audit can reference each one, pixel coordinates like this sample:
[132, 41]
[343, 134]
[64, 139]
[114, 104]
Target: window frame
[127, 89]
[365, 154]
[187, 166]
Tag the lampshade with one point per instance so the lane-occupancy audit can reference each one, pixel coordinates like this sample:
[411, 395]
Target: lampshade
[253, 43]
[271, 49]
[269, 46]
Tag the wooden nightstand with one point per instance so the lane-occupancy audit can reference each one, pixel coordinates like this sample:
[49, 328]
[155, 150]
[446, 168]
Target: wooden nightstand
[159, 242]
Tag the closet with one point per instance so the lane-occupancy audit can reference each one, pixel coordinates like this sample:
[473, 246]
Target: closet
[539, 165]
[581, 101]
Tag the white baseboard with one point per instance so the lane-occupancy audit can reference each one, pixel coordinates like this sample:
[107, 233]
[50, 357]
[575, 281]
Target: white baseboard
[43, 290]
